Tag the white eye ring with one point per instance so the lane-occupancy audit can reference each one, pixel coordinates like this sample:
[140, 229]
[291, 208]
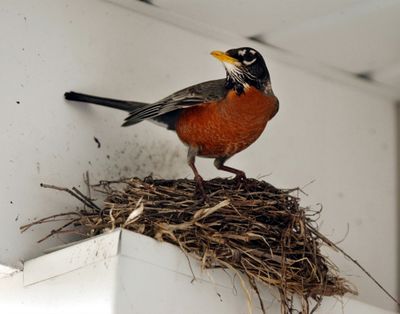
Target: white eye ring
[249, 62]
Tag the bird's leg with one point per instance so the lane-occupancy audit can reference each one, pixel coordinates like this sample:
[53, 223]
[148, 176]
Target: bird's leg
[199, 180]
[219, 164]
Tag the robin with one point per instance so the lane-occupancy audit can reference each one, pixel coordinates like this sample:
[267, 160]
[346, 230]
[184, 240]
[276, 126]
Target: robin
[215, 119]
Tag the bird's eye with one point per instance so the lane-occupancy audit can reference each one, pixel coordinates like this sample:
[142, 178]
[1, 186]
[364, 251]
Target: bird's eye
[249, 59]
[246, 56]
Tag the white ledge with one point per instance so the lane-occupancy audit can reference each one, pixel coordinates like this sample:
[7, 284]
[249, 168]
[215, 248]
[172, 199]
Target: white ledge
[6, 271]
[124, 272]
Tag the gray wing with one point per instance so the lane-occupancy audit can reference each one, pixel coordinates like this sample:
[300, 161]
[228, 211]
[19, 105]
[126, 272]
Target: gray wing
[191, 96]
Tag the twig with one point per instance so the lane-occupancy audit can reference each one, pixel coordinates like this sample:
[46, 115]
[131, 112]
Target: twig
[86, 179]
[255, 287]
[55, 231]
[189, 263]
[330, 243]
[83, 200]
[93, 205]
[23, 228]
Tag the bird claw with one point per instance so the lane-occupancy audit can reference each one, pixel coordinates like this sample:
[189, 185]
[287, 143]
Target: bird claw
[200, 193]
[240, 179]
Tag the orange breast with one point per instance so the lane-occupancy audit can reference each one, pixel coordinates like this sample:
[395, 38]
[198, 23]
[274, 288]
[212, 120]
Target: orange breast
[226, 127]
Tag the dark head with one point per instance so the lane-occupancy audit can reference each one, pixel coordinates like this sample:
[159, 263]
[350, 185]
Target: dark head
[244, 67]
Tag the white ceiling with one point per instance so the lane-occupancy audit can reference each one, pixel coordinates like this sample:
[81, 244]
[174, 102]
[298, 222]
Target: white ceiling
[361, 37]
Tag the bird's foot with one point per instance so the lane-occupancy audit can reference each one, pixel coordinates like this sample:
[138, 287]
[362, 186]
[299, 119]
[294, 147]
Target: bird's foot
[200, 192]
[240, 179]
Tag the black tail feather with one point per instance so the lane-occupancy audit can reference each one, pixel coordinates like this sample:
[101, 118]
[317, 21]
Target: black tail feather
[107, 102]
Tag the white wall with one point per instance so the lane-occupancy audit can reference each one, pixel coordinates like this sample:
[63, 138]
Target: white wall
[341, 137]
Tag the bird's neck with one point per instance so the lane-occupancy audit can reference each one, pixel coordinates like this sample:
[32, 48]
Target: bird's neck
[240, 84]
[268, 88]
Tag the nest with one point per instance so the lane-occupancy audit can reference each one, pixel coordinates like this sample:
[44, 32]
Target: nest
[256, 229]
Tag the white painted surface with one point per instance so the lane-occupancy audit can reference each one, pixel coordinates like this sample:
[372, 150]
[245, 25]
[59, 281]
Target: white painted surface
[361, 38]
[6, 271]
[341, 136]
[84, 290]
[142, 277]
[254, 18]
[354, 36]
[83, 254]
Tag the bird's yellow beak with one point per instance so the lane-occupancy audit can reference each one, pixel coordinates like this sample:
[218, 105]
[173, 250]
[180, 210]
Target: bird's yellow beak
[222, 56]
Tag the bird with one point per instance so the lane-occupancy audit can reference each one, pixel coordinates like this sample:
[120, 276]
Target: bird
[214, 119]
